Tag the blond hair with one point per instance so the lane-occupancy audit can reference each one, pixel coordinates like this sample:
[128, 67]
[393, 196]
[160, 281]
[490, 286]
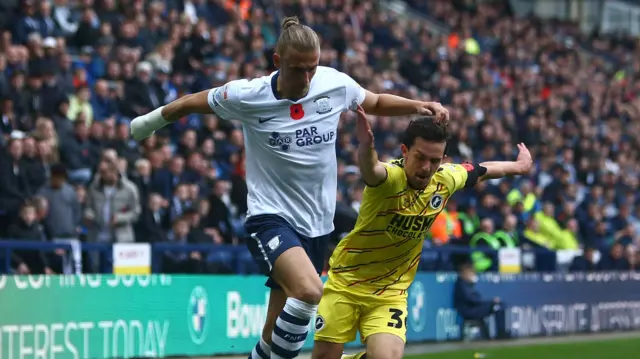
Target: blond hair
[39, 134]
[300, 37]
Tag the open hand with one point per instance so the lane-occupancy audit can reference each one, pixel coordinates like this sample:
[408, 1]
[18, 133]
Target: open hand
[524, 159]
[434, 109]
[363, 128]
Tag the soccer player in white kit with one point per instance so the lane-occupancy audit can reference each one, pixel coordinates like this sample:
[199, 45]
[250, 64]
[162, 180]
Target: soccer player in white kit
[289, 119]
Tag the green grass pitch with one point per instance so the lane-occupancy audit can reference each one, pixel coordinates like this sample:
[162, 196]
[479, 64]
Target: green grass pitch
[597, 349]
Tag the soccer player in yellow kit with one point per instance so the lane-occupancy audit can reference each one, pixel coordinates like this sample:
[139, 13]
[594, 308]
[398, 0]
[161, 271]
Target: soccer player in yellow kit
[374, 265]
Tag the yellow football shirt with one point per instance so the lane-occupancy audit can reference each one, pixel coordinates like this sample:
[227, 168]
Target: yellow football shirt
[381, 255]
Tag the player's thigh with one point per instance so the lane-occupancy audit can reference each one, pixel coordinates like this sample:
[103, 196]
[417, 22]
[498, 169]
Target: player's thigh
[278, 250]
[316, 249]
[385, 346]
[379, 317]
[336, 323]
[295, 273]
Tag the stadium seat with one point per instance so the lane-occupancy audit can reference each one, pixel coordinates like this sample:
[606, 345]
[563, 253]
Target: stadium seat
[221, 259]
[429, 261]
[470, 330]
[245, 263]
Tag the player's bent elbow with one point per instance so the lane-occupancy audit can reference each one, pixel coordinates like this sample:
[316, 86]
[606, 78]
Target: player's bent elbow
[372, 181]
[374, 177]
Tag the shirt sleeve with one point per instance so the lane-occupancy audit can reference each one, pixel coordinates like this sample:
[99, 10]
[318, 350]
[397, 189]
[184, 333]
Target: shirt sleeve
[393, 183]
[226, 102]
[355, 94]
[456, 176]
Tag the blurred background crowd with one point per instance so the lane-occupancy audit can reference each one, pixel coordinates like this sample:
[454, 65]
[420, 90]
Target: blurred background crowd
[74, 73]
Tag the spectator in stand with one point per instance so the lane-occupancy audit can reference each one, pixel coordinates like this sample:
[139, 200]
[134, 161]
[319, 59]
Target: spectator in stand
[167, 179]
[14, 184]
[64, 216]
[221, 213]
[27, 228]
[142, 179]
[153, 222]
[35, 171]
[72, 77]
[179, 202]
[182, 262]
[509, 232]
[615, 259]
[102, 102]
[76, 154]
[585, 262]
[447, 227]
[112, 206]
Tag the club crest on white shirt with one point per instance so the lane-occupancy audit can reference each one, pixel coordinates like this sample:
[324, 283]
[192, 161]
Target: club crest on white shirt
[323, 105]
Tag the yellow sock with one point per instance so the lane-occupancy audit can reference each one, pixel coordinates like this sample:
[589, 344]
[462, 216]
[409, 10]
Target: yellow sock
[362, 355]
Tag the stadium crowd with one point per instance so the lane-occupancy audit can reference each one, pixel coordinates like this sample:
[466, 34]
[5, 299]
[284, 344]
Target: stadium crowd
[74, 73]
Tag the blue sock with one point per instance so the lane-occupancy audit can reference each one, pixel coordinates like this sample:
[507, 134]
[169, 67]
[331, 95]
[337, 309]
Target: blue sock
[262, 350]
[291, 329]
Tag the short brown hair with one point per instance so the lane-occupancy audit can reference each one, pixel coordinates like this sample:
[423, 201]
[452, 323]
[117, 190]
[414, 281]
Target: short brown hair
[427, 128]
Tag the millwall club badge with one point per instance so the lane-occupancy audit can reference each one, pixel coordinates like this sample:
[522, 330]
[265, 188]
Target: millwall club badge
[436, 201]
[323, 105]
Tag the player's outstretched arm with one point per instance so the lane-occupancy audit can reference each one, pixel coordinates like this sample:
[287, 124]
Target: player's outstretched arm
[144, 126]
[372, 170]
[521, 166]
[391, 105]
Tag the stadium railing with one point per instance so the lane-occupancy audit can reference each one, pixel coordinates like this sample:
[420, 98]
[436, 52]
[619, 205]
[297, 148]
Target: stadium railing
[238, 260]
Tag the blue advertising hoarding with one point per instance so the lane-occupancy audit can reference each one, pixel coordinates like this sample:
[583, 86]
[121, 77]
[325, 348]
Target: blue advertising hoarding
[537, 304]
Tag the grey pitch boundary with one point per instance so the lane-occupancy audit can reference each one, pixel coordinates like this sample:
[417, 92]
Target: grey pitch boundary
[417, 349]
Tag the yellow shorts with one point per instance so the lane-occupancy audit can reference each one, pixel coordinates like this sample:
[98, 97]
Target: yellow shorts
[341, 313]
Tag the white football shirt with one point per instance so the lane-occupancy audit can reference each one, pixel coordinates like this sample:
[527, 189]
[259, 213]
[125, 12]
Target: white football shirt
[290, 146]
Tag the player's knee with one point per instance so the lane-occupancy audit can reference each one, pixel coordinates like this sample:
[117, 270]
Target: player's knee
[309, 291]
[326, 350]
[390, 352]
[384, 346]
[325, 355]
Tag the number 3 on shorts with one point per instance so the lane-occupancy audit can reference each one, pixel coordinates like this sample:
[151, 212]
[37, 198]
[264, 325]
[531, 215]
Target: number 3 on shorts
[396, 318]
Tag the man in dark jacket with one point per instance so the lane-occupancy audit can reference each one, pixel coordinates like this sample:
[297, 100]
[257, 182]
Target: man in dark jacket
[614, 260]
[27, 228]
[14, 185]
[585, 262]
[75, 153]
[472, 307]
[151, 225]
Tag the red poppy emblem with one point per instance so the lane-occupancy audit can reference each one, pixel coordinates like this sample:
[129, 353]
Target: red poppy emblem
[296, 111]
[468, 167]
